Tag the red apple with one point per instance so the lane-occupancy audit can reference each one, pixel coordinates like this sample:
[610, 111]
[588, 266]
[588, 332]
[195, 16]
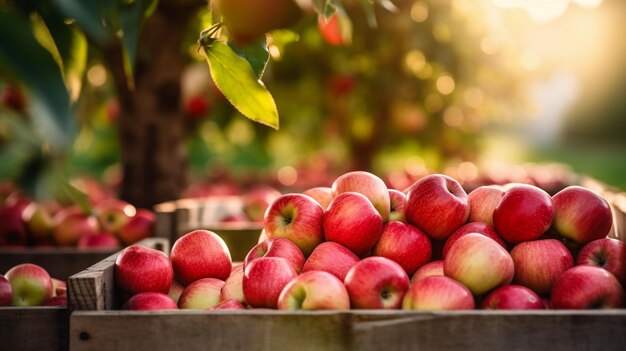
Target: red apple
[113, 214]
[201, 294]
[479, 263]
[352, 221]
[524, 213]
[437, 204]
[513, 297]
[586, 287]
[230, 304]
[141, 269]
[581, 215]
[200, 254]
[6, 292]
[197, 106]
[138, 227]
[233, 287]
[257, 200]
[607, 253]
[103, 241]
[438, 293]
[434, 268]
[331, 257]
[150, 301]
[70, 225]
[376, 283]
[473, 227]
[397, 201]
[296, 217]
[483, 201]
[322, 194]
[56, 301]
[12, 230]
[264, 279]
[539, 263]
[367, 184]
[176, 289]
[404, 244]
[278, 247]
[330, 29]
[314, 290]
[30, 283]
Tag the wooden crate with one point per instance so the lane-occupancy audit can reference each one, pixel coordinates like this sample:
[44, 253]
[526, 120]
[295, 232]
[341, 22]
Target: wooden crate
[176, 218]
[44, 328]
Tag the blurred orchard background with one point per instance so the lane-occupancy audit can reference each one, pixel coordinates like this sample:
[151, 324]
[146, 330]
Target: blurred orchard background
[472, 88]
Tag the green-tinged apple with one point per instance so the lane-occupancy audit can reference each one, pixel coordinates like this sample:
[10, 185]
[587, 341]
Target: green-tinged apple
[113, 213]
[433, 268]
[150, 301]
[141, 269]
[38, 220]
[437, 204]
[56, 301]
[296, 217]
[31, 285]
[581, 215]
[200, 254]
[479, 263]
[539, 263]
[278, 247]
[201, 294]
[257, 200]
[314, 290]
[71, 224]
[230, 304]
[473, 227]
[397, 201]
[176, 289]
[405, 244]
[138, 227]
[376, 283]
[322, 194]
[6, 292]
[264, 279]
[352, 221]
[331, 257]
[438, 293]
[513, 297]
[587, 287]
[102, 241]
[483, 201]
[233, 287]
[607, 253]
[524, 213]
[367, 184]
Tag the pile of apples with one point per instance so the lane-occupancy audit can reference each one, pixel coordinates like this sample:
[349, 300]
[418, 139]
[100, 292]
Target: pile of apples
[361, 245]
[28, 284]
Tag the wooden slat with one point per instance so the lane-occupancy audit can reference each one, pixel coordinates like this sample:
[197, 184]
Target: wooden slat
[34, 328]
[165, 225]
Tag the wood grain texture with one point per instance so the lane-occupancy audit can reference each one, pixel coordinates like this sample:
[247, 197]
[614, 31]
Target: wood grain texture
[34, 328]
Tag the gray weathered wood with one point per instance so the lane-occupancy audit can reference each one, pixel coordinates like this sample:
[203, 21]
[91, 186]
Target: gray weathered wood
[34, 328]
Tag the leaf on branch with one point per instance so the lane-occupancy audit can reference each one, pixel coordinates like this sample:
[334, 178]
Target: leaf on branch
[132, 15]
[256, 54]
[89, 16]
[236, 79]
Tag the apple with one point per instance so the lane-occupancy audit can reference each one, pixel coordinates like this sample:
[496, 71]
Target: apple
[376, 283]
[278, 247]
[257, 200]
[6, 291]
[607, 253]
[30, 283]
[202, 293]
[200, 254]
[437, 204]
[473, 227]
[331, 257]
[233, 287]
[433, 268]
[581, 215]
[539, 263]
[296, 217]
[404, 244]
[513, 297]
[176, 289]
[322, 194]
[438, 293]
[262, 236]
[38, 220]
[59, 287]
[367, 184]
[524, 213]
[330, 30]
[71, 224]
[138, 227]
[197, 106]
[230, 304]
[587, 287]
[12, 230]
[397, 201]
[483, 201]
[352, 221]
[150, 301]
[141, 269]
[56, 301]
[314, 290]
[113, 213]
[264, 279]
[103, 241]
[479, 263]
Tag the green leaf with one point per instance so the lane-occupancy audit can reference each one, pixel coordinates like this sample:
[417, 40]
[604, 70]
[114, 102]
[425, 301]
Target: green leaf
[368, 7]
[256, 54]
[89, 15]
[235, 78]
[132, 15]
[23, 57]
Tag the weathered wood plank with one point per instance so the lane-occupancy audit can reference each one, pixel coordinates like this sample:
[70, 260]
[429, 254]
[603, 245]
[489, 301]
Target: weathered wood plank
[34, 328]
